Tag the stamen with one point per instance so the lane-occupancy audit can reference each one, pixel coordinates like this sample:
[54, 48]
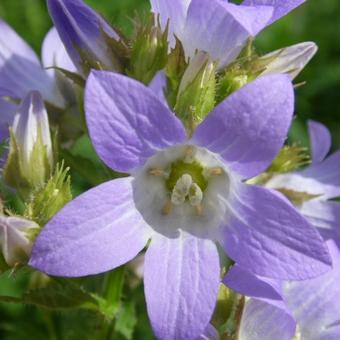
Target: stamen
[199, 210]
[157, 172]
[195, 195]
[214, 172]
[181, 189]
[189, 154]
[167, 208]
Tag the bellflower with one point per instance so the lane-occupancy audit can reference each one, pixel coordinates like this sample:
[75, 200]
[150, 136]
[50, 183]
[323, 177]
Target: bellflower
[85, 35]
[22, 72]
[281, 310]
[185, 195]
[320, 182]
[218, 27]
[15, 239]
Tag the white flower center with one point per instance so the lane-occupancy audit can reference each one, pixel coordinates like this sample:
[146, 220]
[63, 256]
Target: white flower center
[183, 187]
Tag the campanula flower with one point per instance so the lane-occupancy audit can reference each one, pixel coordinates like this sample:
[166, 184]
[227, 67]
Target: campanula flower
[218, 27]
[307, 309]
[185, 194]
[319, 183]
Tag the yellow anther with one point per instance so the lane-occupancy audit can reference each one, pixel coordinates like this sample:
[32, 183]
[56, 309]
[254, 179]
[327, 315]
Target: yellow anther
[167, 208]
[215, 171]
[199, 210]
[157, 172]
[189, 154]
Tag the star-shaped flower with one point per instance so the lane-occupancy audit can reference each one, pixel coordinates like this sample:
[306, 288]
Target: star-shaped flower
[185, 194]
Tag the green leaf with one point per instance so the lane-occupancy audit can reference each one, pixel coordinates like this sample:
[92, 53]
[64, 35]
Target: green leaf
[3, 265]
[126, 320]
[60, 297]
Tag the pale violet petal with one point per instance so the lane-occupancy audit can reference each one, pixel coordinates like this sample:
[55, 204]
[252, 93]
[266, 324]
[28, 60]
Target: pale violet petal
[320, 140]
[127, 122]
[291, 60]
[263, 321]
[267, 236]
[181, 281]
[98, 231]
[249, 127]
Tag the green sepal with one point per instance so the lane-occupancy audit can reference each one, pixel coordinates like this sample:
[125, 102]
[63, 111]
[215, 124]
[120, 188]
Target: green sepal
[74, 77]
[197, 99]
[13, 174]
[50, 198]
[174, 71]
[149, 51]
[228, 312]
[297, 197]
[119, 49]
[126, 320]
[238, 73]
[290, 158]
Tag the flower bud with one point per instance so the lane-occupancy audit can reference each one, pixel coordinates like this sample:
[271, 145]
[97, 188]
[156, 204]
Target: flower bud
[16, 239]
[196, 93]
[90, 42]
[30, 159]
[149, 52]
[290, 60]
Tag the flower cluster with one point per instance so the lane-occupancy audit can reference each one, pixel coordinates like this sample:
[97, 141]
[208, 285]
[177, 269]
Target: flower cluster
[191, 169]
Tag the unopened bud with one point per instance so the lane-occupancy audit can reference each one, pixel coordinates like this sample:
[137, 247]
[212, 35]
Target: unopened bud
[30, 157]
[196, 94]
[16, 239]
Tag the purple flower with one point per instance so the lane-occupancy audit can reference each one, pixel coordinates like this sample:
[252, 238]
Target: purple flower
[218, 27]
[321, 181]
[279, 310]
[84, 33]
[185, 195]
[22, 72]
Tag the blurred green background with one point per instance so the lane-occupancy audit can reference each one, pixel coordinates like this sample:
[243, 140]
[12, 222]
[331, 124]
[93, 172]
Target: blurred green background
[316, 20]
